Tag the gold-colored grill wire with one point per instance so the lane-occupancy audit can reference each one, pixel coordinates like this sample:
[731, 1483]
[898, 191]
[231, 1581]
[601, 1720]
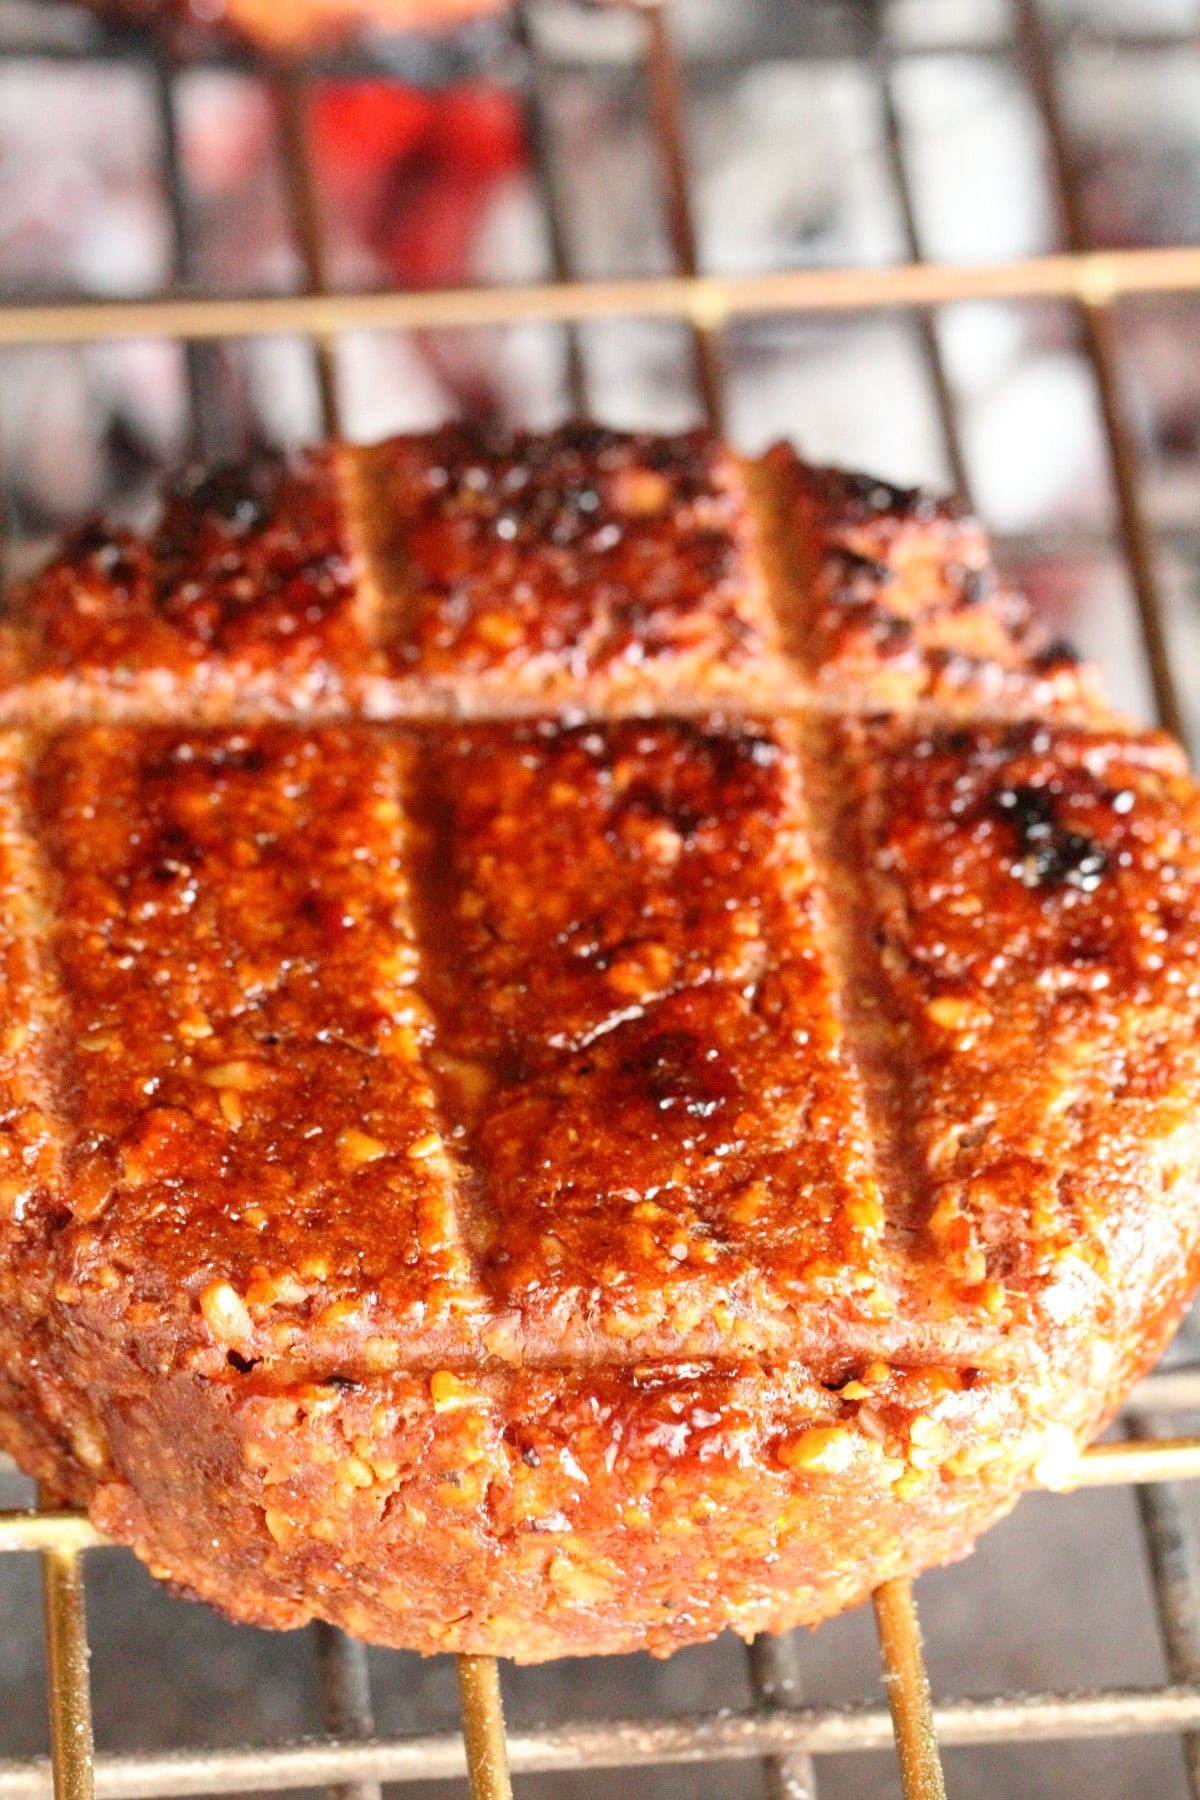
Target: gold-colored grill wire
[483, 1727]
[71, 1746]
[1099, 328]
[908, 1694]
[291, 101]
[705, 302]
[780, 1728]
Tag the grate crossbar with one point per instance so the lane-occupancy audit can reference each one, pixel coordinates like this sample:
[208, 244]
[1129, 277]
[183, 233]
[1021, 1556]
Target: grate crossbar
[1093, 278]
[685, 1739]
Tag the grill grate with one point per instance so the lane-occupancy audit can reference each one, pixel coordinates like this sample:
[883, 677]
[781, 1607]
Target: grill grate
[353, 1760]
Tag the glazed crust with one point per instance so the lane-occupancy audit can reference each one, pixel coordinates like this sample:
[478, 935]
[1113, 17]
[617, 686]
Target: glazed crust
[462, 572]
[542, 1023]
[243, 595]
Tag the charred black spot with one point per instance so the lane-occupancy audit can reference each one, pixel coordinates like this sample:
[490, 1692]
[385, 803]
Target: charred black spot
[890, 633]
[672, 1068]
[1050, 855]
[243, 1364]
[1031, 810]
[113, 554]
[875, 496]
[861, 568]
[237, 498]
[237, 754]
[730, 751]
[1058, 652]
[686, 461]
[93, 538]
[176, 854]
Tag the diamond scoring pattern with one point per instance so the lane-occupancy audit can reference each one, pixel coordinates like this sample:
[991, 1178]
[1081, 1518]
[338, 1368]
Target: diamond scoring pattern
[402, 1043]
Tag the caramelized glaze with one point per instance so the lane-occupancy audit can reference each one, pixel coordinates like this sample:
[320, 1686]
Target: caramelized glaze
[599, 1041]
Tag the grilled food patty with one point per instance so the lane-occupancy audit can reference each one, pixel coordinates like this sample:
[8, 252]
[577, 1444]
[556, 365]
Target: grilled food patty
[600, 1041]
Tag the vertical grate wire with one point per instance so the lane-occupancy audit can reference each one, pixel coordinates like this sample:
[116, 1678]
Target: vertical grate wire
[665, 88]
[207, 430]
[290, 91]
[775, 1682]
[1099, 328]
[72, 1751]
[1170, 1554]
[882, 61]
[1175, 1577]
[539, 133]
[344, 1684]
[482, 1711]
[907, 1685]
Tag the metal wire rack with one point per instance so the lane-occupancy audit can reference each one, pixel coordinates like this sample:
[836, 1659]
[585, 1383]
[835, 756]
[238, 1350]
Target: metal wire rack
[352, 1759]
